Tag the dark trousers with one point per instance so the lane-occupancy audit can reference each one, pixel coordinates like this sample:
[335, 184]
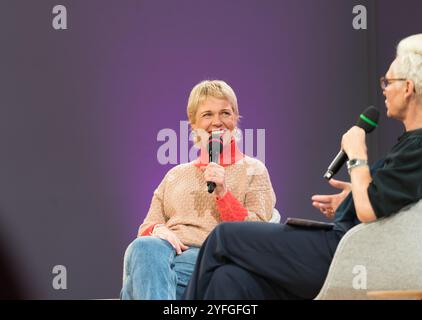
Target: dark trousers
[257, 260]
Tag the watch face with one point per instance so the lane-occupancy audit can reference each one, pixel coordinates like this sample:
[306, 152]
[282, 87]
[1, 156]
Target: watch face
[356, 163]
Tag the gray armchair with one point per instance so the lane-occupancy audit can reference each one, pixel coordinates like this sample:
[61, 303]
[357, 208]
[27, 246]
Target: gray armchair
[382, 255]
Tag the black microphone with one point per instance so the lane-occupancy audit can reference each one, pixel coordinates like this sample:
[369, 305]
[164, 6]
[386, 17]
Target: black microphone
[368, 121]
[215, 148]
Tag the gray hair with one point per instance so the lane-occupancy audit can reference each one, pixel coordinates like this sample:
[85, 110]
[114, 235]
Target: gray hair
[409, 58]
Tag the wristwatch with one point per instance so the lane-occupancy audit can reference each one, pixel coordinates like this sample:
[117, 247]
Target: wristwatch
[353, 163]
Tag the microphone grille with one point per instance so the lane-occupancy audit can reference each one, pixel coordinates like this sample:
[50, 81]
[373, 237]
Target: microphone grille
[368, 120]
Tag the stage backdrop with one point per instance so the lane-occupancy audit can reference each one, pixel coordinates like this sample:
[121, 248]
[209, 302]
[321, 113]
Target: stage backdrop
[81, 111]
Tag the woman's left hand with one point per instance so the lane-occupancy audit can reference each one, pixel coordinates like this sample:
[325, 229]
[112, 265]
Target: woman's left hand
[215, 173]
[353, 143]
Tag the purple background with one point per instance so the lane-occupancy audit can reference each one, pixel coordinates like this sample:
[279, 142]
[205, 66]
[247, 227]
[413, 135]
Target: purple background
[81, 109]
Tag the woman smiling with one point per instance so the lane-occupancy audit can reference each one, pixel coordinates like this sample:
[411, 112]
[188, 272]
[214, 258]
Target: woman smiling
[159, 263]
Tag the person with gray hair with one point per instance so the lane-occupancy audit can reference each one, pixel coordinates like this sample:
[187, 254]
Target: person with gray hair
[409, 63]
[248, 260]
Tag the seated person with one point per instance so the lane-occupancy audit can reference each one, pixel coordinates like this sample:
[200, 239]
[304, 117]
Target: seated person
[249, 260]
[158, 264]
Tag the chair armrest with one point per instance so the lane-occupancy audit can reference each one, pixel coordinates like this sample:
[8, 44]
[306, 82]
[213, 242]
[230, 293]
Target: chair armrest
[275, 217]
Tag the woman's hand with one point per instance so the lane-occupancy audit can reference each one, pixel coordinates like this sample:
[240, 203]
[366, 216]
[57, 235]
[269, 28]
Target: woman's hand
[354, 145]
[215, 173]
[165, 233]
[328, 204]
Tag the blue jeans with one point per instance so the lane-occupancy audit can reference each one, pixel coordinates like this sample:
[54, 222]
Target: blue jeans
[153, 270]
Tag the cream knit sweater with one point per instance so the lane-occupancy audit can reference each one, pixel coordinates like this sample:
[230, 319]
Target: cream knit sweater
[183, 204]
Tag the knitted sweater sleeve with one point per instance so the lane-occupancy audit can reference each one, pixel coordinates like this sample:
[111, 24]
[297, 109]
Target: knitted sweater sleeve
[155, 213]
[259, 201]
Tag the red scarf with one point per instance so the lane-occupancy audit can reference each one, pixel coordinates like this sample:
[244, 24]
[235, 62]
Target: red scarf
[231, 154]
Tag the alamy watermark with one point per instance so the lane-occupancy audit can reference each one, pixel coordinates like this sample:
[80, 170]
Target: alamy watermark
[360, 280]
[175, 147]
[60, 19]
[360, 21]
[60, 279]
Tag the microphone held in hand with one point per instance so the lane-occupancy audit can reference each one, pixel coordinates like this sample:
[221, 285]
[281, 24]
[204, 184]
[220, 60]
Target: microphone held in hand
[215, 148]
[368, 121]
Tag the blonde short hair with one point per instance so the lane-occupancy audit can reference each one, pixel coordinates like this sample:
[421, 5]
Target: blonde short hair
[210, 88]
[409, 58]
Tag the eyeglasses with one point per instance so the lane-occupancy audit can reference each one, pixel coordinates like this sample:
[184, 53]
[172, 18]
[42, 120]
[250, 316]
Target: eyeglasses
[385, 82]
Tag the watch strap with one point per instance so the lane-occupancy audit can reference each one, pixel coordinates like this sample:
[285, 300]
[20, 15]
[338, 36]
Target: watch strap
[354, 163]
